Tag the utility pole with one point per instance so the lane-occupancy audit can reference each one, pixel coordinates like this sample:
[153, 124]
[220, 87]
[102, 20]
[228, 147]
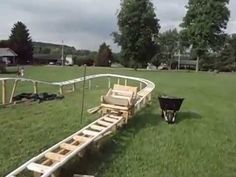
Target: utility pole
[179, 56]
[62, 54]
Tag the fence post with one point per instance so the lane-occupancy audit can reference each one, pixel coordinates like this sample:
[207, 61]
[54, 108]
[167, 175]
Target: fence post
[61, 90]
[125, 82]
[118, 81]
[4, 91]
[13, 91]
[140, 86]
[35, 87]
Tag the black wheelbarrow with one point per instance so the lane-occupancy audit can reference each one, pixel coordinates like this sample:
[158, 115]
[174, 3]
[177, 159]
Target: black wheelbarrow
[169, 106]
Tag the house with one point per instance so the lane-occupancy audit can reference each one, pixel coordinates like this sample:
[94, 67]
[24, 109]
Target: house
[7, 56]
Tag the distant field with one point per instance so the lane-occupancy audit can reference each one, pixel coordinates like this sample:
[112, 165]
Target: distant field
[201, 143]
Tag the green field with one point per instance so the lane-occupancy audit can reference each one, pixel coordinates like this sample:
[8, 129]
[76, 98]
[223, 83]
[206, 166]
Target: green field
[201, 143]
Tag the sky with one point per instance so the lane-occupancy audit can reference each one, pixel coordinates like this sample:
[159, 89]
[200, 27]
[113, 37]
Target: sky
[84, 24]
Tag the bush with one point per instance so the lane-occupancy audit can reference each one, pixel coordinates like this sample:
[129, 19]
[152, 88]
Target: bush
[83, 60]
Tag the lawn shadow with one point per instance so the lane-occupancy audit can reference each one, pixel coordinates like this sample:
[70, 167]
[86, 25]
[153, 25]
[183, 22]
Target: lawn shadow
[182, 116]
[95, 161]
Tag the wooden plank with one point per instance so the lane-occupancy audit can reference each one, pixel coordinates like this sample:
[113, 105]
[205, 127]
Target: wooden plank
[35, 87]
[90, 133]
[118, 81]
[54, 156]
[80, 139]
[97, 127]
[104, 123]
[68, 147]
[77, 175]
[61, 90]
[4, 92]
[115, 107]
[109, 120]
[38, 168]
[115, 117]
[73, 87]
[13, 91]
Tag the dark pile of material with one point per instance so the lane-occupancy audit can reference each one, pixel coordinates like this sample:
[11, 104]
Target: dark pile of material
[36, 97]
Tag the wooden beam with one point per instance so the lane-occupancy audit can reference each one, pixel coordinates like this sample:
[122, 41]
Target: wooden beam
[97, 127]
[103, 123]
[140, 86]
[73, 87]
[13, 91]
[109, 119]
[54, 156]
[90, 133]
[38, 167]
[4, 91]
[80, 139]
[61, 90]
[77, 175]
[68, 147]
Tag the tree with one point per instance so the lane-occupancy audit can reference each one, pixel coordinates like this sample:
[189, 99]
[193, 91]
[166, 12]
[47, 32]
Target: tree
[137, 26]
[104, 56]
[226, 61]
[169, 45]
[204, 24]
[4, 44]
[20, 41]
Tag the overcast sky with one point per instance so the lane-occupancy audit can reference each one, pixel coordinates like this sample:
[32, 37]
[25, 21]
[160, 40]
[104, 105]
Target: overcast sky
[84, 24]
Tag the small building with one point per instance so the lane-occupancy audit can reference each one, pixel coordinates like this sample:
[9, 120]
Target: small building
[184, 61]
[7, 56]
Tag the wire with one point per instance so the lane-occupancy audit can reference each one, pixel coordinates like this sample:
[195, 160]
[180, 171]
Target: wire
[83, 95]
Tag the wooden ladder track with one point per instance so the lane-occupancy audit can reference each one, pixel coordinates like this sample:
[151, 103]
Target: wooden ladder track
[53, 159]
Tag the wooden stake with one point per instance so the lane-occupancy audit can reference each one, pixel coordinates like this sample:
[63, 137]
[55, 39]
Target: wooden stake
[118, 81]
[35, 87]
[90, 84]
[109, 82]
[4, 92]
[140, 86]
[61, 90]
[13, 91]
[73, 87]
[125, 82]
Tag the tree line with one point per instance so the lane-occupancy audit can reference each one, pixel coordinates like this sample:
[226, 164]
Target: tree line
[202, 34]
[20, 42]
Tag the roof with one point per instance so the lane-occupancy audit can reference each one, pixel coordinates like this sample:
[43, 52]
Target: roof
[7, 52]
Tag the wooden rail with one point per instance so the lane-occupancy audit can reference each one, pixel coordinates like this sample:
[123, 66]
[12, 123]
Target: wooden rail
[49, 161]
[144, 84]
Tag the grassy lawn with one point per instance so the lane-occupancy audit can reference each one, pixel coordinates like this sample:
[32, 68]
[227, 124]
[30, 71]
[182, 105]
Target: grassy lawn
[201, 143]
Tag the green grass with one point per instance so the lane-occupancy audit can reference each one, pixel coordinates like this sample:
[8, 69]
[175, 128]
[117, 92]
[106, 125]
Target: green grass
[201, 143]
